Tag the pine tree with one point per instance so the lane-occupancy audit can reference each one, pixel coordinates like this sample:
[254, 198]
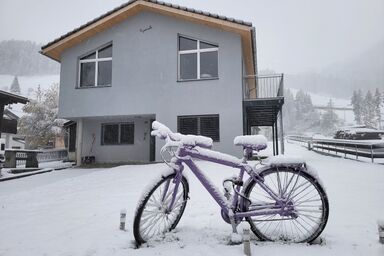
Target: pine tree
[369, 110]
[357, 104]
[329, 120]
[378, 102]
[306, 117]
[289, 111]
[15, 87]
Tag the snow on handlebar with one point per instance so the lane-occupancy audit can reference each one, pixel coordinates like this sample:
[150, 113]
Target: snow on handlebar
[163, 132]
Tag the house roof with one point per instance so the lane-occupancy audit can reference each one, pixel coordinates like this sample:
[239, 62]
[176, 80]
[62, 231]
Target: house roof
[8, 114]
[10, 98]
[55, 48]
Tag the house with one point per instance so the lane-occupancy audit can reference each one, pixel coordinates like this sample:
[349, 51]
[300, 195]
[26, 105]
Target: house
[8, 120]
[9, 131]
[192, 70]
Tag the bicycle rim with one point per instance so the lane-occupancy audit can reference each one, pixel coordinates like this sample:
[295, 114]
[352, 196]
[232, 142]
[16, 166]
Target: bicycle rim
[307, 198]
[154, 217]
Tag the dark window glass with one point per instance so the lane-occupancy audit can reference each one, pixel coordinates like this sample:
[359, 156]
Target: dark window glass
[87, 74]
[127, 133]
[104, 73]
[2, 147]
[90, 56]
[110, 134]
[207, 45]
[106, 52]
[187, 44]
[209, 126]
[200, 125]
[188, 66]
[208, 65]
[187, 125]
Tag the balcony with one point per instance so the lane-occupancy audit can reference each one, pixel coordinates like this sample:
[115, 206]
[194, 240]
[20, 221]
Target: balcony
[263, 86]
[263, 99]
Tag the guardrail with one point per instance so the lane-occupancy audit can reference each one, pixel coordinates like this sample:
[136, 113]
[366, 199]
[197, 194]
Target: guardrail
[370, 149]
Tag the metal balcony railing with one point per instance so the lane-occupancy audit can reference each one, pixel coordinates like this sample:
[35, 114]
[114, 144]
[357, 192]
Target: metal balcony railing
[263, 86]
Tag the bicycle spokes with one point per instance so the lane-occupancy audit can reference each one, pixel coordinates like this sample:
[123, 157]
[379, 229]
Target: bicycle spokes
[296, 216]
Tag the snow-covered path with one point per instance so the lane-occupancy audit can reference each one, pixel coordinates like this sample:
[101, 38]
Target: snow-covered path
[76, 212]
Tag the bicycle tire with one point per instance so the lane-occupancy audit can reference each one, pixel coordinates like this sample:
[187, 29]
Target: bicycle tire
[289, 229]
[156, 213]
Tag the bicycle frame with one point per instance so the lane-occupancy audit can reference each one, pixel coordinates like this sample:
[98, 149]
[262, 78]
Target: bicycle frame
[185, 155]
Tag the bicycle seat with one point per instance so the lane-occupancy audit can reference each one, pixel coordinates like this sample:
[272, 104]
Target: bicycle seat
[255, 142]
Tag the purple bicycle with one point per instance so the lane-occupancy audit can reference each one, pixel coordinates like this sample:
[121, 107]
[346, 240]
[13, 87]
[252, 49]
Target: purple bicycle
[283, 200]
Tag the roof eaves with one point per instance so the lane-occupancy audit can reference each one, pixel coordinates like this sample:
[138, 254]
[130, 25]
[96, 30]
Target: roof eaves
[175, 6]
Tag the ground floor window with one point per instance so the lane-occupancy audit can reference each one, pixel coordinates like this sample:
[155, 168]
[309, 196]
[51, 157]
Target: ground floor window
[205, 125]
[117, 133]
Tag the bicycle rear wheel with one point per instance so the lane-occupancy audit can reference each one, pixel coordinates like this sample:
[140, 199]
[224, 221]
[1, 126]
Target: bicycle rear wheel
[153, 214]
[306, 212]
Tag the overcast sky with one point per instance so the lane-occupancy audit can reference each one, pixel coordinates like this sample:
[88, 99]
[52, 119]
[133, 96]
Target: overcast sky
[292, 35]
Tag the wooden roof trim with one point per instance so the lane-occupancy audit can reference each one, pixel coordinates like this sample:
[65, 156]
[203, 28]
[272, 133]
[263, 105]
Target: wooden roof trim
[54, 50]
[10, 98]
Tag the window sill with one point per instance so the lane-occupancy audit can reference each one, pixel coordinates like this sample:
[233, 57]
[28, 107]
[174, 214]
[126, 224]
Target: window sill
[91, 87]
[201, 79]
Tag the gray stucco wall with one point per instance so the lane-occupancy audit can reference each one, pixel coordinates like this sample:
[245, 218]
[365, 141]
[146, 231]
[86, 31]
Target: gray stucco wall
[139, 151]
[144, 78]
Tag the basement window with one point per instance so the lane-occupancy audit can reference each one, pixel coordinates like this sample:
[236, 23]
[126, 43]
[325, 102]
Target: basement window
[95, 69]
[205, 125]
[197, 60]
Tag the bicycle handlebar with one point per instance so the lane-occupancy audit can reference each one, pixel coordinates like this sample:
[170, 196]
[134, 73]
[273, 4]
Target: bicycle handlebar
[163, 132]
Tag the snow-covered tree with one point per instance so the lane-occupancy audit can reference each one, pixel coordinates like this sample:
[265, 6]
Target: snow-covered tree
[378, 102]
[40, 123]
[306, 117]
[289, 111]
[15, 86]
[329, 120]
[369, 110]
[357, 104]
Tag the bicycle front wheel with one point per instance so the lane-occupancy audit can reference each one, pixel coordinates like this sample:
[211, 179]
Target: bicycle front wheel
[154, 214]
[305, 212]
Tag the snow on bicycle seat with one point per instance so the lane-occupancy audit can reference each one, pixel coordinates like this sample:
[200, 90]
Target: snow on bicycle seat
[255, 142]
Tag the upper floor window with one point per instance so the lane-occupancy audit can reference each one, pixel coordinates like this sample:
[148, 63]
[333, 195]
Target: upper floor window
[95, 69]
[197, 59]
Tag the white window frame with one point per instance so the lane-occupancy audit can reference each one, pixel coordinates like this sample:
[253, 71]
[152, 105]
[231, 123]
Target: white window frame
[96, 60]
[197, 51]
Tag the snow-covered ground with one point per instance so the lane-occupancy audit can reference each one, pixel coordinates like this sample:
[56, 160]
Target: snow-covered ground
[76, 212]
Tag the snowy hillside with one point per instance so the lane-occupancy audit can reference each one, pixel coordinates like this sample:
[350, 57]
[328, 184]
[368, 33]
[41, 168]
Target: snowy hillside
[319, 100]
[29, 83]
